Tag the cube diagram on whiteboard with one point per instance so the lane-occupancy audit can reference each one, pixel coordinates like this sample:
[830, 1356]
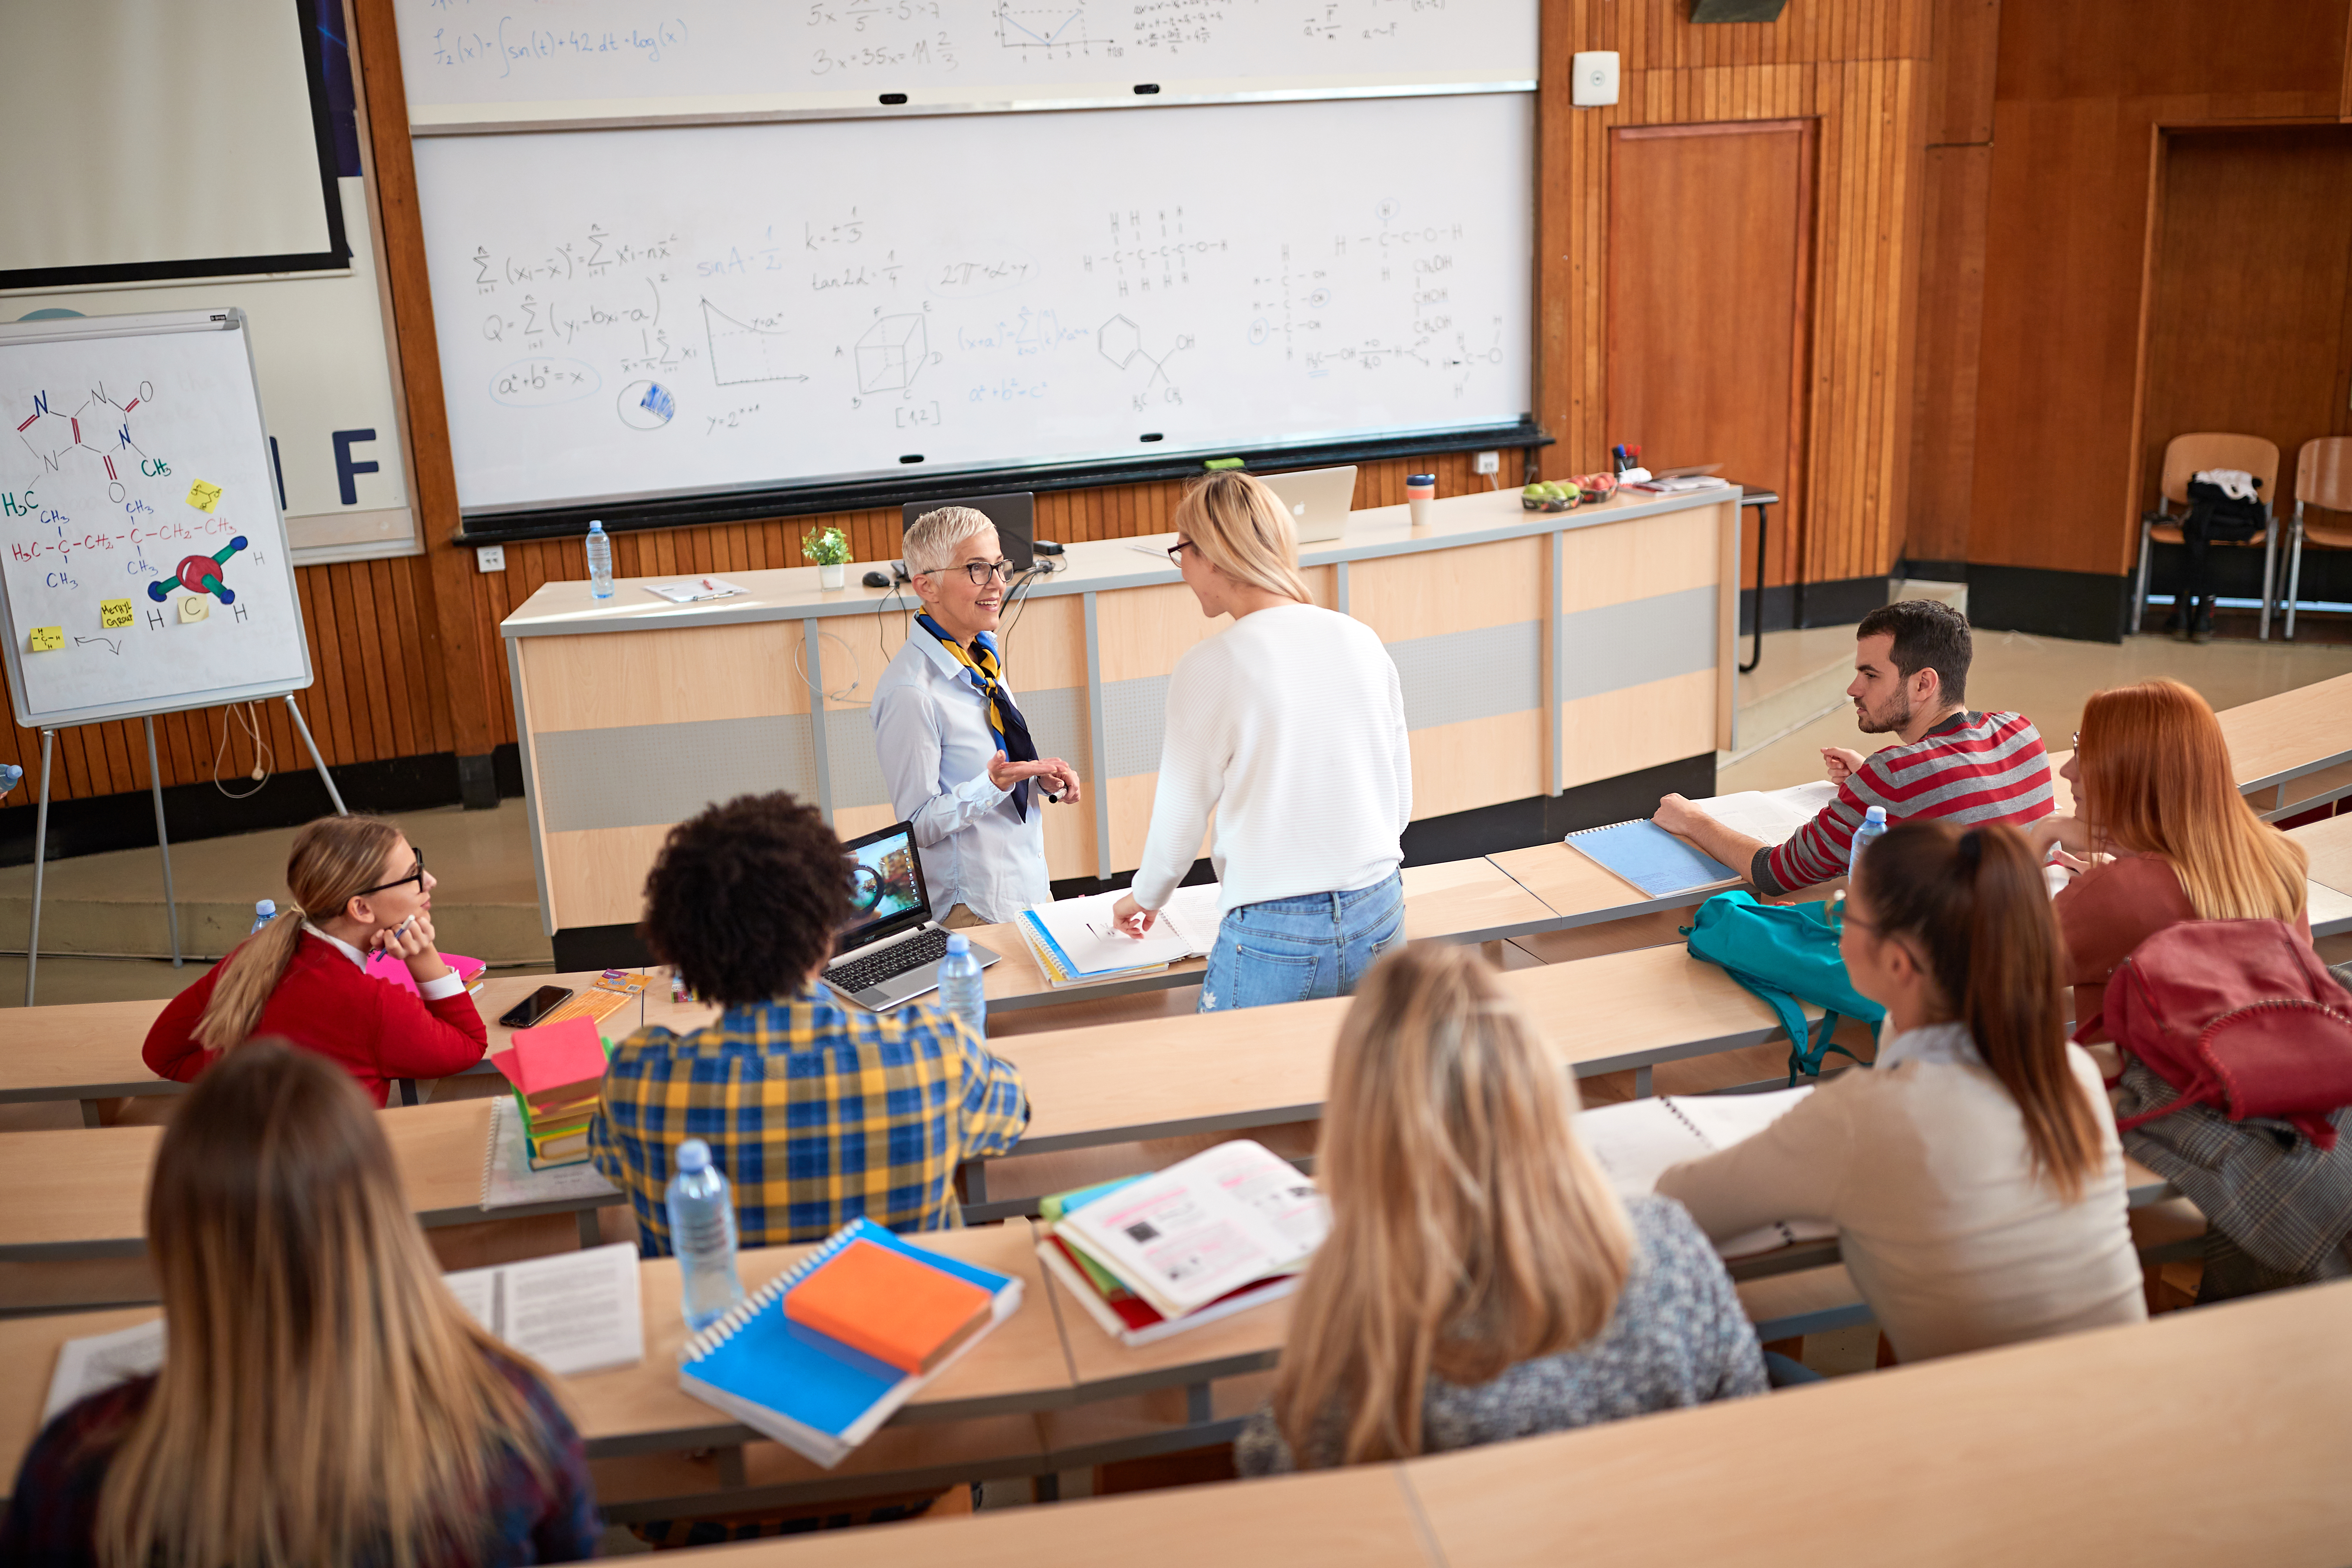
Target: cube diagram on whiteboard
[1592, 79]
[890, 355]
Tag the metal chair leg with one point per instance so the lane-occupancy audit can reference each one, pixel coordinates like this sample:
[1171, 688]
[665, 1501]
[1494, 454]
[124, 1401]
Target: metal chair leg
[2139, 586]
[2269, 569]
[2293, 570]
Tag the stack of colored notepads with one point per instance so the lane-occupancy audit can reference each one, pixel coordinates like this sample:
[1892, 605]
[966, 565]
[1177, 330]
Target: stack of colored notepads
[558, 1074]
[391, 970]
[826, 1353]
[1217, 1233]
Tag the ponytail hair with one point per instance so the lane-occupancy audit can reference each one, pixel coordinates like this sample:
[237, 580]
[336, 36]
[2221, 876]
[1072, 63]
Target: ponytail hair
[1974, 903]
[334, 861]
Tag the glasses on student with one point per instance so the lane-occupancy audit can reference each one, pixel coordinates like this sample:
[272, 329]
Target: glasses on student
[979, 572]
[1840, 918]
[415, 875]
[1176, 552]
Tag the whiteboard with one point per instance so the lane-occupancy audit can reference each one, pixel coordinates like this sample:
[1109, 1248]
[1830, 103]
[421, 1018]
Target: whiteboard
[648, 312]
[145, 567]
[475, 64]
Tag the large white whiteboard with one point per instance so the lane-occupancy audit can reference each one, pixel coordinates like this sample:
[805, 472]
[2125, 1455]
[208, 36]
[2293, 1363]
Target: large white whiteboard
[470, 64]
[630, 313]
[111, 423]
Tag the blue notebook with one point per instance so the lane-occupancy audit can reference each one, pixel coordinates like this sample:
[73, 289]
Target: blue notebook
[1651, 859]
[807, 1390]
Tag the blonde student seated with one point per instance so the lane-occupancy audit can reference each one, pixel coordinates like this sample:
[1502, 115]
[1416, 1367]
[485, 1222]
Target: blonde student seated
[325, 1399]
[1482, 1281]
[1973, 1173]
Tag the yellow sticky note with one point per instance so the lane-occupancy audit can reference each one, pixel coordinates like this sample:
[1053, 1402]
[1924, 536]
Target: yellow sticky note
[46, 639]
[204, 497]
[114, 613]
[194, 606]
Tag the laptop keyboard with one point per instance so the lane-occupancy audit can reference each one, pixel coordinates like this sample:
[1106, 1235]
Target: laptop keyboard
[861, 973]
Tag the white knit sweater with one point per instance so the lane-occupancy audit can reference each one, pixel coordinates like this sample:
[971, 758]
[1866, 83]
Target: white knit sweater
[1289, 727]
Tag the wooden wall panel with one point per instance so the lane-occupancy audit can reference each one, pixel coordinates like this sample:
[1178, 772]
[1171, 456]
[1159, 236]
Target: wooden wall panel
[2080, 93]
[1857, 68]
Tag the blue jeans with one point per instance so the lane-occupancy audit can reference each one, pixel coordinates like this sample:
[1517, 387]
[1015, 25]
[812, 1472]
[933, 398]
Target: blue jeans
[1294, 949]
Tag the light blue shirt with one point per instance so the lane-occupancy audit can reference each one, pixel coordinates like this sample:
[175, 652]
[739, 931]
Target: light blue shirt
[931, 726]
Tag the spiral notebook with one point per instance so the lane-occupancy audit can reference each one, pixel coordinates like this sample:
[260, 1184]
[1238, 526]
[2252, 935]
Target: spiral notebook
[1636, 1142]
[1652, 859]
[808, 1391]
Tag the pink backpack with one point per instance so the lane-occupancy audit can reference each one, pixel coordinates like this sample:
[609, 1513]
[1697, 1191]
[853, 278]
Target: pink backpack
[2238, 1015]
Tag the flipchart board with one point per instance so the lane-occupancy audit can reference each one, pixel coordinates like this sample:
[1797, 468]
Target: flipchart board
[143, 567]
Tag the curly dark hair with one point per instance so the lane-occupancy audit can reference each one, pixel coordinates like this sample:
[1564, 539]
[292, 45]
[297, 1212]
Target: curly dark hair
[744, 900]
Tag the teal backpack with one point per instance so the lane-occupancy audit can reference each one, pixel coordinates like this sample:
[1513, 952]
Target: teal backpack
[1782, 952]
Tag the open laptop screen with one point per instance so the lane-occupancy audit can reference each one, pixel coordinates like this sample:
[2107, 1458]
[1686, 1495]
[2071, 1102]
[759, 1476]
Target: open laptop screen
[886, 886]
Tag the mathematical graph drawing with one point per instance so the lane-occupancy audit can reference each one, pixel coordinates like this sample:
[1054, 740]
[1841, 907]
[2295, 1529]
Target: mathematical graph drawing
[742, 352]
[1061, 24]
[890, 355]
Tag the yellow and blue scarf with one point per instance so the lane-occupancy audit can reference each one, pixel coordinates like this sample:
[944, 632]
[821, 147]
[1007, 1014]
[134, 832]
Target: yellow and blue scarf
[1010, 730]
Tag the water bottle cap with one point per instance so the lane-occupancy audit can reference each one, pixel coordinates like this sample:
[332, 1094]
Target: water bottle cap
[266, 909]
[1876, 813]
[959, 943]
[595, 525]
[693, 1157]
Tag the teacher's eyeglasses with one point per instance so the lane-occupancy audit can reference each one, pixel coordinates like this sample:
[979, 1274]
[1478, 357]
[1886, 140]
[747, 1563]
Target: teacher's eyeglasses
[979, 572]
[415, 875]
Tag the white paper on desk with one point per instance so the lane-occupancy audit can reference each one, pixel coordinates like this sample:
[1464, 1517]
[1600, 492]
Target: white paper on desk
[1203, 1227]
[694, 590]
[96, 1363]
[572, 1313]
[1771, 816]
[1636, 1142]
[1093, 944]
[507, 1180]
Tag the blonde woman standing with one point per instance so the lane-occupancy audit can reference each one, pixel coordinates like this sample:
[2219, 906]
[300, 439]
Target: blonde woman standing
[359, 888]
[325, 1399]
[1481, 1281]
[1289, 728]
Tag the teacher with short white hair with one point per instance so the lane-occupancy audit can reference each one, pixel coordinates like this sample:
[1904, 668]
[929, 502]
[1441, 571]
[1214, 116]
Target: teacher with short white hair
[956, 751]
[1288, 727]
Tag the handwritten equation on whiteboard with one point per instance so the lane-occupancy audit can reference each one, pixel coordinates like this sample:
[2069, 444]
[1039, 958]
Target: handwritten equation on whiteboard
[547, 62]
[674, 321]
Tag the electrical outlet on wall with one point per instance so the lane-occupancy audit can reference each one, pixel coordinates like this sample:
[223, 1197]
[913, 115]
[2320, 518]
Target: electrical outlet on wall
[1486, 463]
[1592, 79]
[489, 558]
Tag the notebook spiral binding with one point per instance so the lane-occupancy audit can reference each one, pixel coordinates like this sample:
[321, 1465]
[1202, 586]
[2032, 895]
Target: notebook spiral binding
[491, 1150]
[751, 1306]
[1787, 1237]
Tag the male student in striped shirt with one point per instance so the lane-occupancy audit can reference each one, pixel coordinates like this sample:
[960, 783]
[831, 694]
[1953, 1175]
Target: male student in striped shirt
[1911, 675]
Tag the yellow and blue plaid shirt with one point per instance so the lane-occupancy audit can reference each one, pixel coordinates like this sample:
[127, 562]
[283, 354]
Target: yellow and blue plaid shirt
[817, 1114]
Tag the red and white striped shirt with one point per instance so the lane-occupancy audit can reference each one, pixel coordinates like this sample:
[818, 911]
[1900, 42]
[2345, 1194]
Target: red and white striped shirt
[1971, 768]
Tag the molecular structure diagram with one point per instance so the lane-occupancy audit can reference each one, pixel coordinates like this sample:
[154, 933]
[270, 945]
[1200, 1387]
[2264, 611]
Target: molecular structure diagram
[99, 426]
[199, 574]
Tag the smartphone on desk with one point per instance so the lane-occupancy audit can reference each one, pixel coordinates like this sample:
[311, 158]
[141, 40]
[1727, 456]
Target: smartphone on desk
[535, 1006]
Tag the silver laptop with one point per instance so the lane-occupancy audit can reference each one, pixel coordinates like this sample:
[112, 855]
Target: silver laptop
[1318, 501]
[889, 952]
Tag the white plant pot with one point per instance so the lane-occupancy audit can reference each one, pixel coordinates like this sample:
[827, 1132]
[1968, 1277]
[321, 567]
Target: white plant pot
[831, 576]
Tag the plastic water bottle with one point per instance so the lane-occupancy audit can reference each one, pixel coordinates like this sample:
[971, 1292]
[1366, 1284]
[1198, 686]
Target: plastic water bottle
[264, 913]
[702, 1234]
[959, 986]
[600, 562]
[1874, 827]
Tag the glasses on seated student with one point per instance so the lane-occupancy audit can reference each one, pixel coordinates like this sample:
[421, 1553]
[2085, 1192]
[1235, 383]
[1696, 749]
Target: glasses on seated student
[979, 572]
[415, 874]
[1839, 919]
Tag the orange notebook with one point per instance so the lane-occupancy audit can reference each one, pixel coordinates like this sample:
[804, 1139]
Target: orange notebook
[896, 1309]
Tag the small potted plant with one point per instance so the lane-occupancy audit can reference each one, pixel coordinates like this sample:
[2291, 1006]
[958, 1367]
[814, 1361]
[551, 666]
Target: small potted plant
[829, 548]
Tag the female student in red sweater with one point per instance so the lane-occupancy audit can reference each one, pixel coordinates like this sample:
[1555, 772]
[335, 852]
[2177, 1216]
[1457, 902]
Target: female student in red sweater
[359, 886]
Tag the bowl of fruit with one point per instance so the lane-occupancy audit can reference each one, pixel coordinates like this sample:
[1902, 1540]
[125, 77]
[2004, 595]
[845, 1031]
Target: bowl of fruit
[1550, 494]
[1595, 486]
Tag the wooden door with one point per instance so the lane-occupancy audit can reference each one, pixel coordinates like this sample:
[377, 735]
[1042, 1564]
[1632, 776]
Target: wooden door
[1709, 281]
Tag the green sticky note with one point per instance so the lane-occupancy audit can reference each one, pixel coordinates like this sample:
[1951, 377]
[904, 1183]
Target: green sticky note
[1224, 462]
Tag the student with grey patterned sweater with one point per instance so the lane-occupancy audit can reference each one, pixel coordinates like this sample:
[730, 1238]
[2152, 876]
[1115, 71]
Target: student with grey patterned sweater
[1481, 1281]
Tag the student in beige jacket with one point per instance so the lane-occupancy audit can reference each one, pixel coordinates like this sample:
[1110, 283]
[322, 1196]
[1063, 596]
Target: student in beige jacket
[1974, 1173]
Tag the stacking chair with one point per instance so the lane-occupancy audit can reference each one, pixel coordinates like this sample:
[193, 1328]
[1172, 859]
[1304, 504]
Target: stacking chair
[2186, 456]
[2323, 478]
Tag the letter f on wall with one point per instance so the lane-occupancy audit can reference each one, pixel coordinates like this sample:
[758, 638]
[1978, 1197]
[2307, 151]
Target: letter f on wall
[347, 472]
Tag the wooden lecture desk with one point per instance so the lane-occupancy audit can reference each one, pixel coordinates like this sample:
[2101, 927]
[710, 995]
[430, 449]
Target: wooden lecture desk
[91, 1051]
[971, 1424]
[1538, 652]
[2329, 845]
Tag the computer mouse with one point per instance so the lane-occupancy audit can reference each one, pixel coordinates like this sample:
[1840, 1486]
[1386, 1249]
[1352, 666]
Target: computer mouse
[874, 580]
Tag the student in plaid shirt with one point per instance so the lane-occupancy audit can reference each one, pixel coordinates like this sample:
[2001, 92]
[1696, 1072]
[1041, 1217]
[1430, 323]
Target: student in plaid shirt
[817, 1113]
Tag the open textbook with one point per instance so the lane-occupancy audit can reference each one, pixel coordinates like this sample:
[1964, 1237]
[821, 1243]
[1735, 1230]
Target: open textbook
[1772, 815]
[574, 1312]
[1636, 1142]
[1204, 1227]
[1076, 937]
